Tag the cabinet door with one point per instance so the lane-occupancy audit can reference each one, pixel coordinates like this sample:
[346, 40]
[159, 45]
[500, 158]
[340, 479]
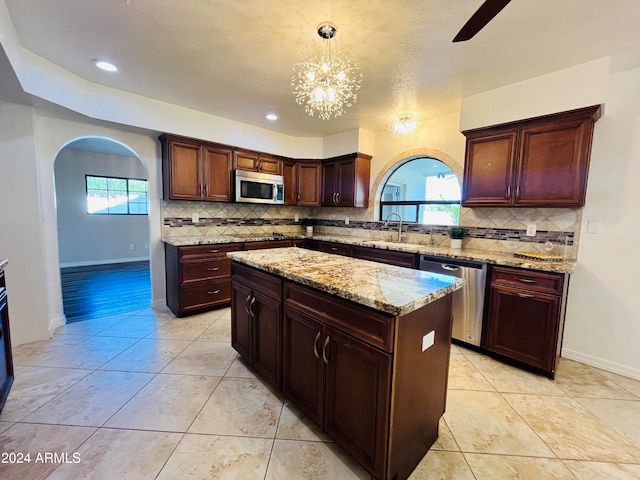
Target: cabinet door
[356, 412]
[346, 182]
[266, 325]
[217, 174]
[183, 166]
[554, 161]
[330, 174]
[489, 169]
[290, 183]
[523, 325]
[245, 161]
[272, 165]
[241, 320]
[308, 182]
[302, 380]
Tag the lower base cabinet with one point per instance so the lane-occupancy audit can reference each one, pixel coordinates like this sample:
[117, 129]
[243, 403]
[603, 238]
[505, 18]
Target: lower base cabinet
[334, 360]
[341, 383]
[524, 317]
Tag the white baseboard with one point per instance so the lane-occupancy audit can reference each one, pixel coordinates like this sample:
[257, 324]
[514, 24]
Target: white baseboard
[103, 262]
[159, 304]
[607, 365]
[55, 323]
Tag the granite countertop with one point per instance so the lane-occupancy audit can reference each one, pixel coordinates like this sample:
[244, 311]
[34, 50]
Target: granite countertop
[387, 288]
[484, 256]
[3, 263]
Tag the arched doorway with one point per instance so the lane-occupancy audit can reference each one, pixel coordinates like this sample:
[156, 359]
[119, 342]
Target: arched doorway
[102, 205]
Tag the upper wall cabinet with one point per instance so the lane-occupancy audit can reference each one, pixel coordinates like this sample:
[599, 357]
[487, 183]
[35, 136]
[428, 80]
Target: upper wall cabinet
[539, 162]
[345, 181]
[302, 182]
[256, 162]
[195, 170]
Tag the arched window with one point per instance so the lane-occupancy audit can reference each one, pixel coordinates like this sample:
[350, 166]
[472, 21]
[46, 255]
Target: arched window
[422, 190]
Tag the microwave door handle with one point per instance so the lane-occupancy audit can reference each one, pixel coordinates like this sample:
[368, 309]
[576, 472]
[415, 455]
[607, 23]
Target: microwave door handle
[275, 192]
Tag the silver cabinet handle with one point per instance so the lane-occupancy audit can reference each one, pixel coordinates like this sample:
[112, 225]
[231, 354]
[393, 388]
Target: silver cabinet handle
[215, 292]
[518, 191]
[525, 280]
[509, 191]
[451, 268]
[324, 350]
[315, 345]
[333, 249]
[214, 269]
[252, 304]
[338, 197]
[246, 305]
[525, 295]
[214, 251]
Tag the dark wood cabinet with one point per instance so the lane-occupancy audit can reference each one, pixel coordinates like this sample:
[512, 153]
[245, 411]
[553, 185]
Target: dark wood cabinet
[334, 247]
[6, 357]
[524, 317]
[257, 162]
[302, 182]
[198, 277]
[345, 181]
[541, 162]
[256, 313]
[195, 170]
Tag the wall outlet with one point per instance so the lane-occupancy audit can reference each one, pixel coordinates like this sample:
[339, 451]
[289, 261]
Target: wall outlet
[146, 246]
[132, 246]
[346, 220]
[296, 218]
[531, 230]
[428, 340]
[195, 218]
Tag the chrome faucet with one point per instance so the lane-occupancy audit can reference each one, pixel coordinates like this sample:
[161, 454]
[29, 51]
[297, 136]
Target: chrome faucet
[386, 222]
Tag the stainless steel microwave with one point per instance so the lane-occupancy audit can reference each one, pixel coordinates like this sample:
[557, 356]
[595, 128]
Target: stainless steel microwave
[254, 187]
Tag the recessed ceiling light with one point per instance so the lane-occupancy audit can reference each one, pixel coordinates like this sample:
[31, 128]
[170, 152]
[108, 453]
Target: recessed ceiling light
[106, 66]
[271, 116]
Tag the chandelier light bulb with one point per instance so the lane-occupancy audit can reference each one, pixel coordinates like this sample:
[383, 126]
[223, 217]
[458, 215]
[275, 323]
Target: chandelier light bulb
[403, 124]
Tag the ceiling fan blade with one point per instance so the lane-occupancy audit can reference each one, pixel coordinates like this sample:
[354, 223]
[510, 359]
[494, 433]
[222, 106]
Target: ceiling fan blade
[484, 14]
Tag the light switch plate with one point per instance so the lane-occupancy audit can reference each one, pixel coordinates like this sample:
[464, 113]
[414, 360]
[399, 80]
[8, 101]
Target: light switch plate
[531, 230]
[195, 218]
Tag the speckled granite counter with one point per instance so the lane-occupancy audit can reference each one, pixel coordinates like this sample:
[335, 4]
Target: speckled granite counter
[394, 290]
[485, 256]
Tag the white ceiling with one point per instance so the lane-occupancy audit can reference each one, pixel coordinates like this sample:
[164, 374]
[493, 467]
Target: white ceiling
[233, 58]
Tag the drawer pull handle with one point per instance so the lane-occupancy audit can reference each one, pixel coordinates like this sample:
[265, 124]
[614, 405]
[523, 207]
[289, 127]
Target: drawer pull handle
[525, 280]
[333, 249]
[214, 251]
[215, 292]
[214, 269]
[252, 304]
[246, 305]
[525, 295]
[451, 268]
[324, 350]
[315, 345]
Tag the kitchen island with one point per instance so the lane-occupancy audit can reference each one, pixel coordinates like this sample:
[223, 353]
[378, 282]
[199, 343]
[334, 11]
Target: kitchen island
[360, 347]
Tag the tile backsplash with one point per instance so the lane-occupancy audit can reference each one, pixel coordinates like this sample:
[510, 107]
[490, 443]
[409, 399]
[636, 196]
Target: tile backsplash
[495, 229]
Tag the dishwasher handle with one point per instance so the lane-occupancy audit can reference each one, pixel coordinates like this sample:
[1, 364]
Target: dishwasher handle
[451, 268]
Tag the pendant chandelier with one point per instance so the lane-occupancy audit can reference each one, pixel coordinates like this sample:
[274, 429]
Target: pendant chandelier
[403, 124]
[326, 83]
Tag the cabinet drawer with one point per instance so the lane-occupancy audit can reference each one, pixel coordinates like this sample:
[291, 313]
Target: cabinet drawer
[368, 325]
[267, 244]
[262, 282]
[215, 250]
[204, 270]
[528, 279]
[401, 259]
[331, 247]
[200, 296]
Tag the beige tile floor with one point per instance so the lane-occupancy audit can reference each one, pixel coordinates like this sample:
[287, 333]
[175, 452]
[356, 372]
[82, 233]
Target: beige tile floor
[145, 395]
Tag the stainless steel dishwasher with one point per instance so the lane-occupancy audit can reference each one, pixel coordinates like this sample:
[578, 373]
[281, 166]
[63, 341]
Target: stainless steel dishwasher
[468, 302]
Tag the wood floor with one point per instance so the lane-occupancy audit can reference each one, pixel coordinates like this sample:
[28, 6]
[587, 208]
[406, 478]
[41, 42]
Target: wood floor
[99, 290]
